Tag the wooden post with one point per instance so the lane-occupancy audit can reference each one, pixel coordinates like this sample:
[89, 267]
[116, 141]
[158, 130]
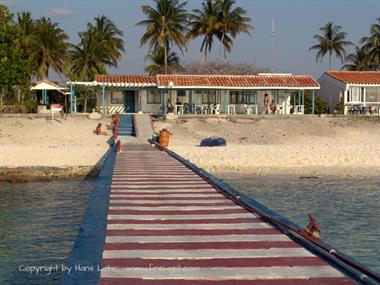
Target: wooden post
[103, 100]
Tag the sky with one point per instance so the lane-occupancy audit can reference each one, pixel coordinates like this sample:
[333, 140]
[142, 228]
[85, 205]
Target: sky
[296, 21]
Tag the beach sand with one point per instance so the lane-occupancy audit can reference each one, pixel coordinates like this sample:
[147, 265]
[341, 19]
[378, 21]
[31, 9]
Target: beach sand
[38, 147]
[271, 145]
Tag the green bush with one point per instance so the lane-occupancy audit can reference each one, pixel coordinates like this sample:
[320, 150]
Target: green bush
[339, 108]
[31, 106]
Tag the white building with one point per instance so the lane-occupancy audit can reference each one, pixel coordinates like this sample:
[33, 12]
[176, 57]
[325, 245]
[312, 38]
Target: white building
[201, 94]
[360, 91]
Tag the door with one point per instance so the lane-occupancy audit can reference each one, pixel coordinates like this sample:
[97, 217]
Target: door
[129, 105]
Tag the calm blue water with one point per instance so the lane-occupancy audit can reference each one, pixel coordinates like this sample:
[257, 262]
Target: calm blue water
[348, 210]
[38, 225]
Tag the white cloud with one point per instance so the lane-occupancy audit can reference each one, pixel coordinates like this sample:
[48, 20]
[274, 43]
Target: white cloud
[62, 12]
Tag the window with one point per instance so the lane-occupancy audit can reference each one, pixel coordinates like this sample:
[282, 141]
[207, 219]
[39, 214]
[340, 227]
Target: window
[208, 97]
[243, 97]
[372, 94]
[356, 94]
[117, 97]
[153, 97]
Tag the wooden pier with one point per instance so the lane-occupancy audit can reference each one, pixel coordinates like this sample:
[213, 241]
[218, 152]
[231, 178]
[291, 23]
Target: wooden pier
[167, 225]
[155, 219]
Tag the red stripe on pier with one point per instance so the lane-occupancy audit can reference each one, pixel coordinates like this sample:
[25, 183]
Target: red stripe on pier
[265, 231]
[202, 245]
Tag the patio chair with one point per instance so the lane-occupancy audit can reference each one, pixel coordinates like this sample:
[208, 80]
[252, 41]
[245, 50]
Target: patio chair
[248, 109]
[216, 109]
[231, 109]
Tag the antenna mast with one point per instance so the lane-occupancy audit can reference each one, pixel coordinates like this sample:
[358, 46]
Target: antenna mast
[273, 48]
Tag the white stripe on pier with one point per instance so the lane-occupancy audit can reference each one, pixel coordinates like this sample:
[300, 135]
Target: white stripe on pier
[164, 195]
[171, 202]
[227, 273]
[235, 226]
[179, 207]
[117, 189]
[217, 238]
[207, 253]
[180, 216]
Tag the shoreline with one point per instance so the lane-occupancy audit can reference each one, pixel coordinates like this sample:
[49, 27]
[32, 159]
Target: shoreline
[25, 174]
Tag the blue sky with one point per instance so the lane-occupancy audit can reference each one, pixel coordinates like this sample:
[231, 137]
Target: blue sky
[296, 23]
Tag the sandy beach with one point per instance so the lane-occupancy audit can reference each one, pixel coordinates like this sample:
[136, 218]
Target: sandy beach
[305, 146]
[39, 147]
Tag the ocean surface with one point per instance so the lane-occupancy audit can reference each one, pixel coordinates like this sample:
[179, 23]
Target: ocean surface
[348, 210]
[38, 225]
[40, 220]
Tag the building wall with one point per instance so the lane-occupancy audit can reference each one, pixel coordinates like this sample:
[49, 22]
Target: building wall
[331, 91]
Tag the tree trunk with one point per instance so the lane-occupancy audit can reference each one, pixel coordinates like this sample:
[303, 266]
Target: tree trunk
[166, 57]
[85, 105]
[330, 53]
[1, 96]
[18, 94]
[220, 48]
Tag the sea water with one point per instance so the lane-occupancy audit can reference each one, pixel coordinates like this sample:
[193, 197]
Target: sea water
[348, 210]
[38, 225]
[40, 220]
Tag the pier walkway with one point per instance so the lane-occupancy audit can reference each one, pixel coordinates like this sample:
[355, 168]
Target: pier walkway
[167, 225]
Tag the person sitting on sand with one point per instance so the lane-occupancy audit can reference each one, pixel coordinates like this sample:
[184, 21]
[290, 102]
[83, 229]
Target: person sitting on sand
[99, 131]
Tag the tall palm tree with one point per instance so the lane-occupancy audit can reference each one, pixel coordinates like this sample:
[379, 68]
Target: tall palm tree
[26, 26]
[331, 41]
[166, 25]
[373, 44]
[231, 22]
[204, 22]
[358, 60]
[157, 58]
[111, 37]
[48, 48]
[100, 46]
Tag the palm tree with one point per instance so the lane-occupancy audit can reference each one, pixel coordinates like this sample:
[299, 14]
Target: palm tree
[48, 48]
[157, 57]
[166, 25]
[373, 44]
[358, 60]
[26, 26]
[204, 23]
[100, 46]
[331, 41]
[231, 22]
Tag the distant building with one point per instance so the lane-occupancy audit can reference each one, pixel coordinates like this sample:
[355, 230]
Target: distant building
[202, 94]
[359, 90]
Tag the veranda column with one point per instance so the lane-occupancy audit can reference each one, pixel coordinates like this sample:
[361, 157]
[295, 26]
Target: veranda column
[312, 103]
[71, 98]
[103, 100]
[226, 102]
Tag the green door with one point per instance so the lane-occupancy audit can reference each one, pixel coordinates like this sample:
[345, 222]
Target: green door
[129, 105]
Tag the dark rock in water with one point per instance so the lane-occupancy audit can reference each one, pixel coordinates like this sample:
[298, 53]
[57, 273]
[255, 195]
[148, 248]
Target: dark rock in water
[213, 141]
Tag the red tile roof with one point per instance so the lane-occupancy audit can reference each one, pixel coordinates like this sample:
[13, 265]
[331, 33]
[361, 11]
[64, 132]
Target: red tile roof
[237, 81]
[356, 77]
[130, 79]
[211, 81]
